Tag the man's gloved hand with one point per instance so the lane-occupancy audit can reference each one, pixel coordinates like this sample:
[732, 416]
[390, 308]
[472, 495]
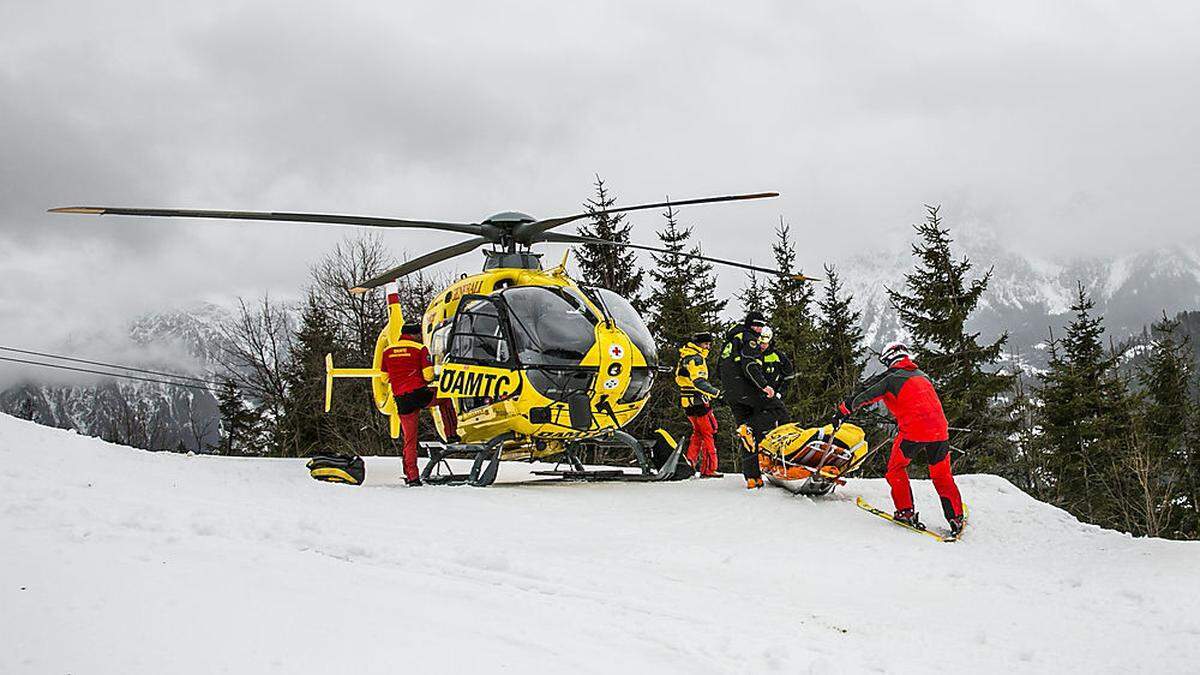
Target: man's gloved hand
[838, 419]
[769, 391]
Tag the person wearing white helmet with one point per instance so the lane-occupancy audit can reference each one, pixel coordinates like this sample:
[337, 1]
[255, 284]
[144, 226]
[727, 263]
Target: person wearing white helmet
[776, 365]
[921, 432]
[753, 401]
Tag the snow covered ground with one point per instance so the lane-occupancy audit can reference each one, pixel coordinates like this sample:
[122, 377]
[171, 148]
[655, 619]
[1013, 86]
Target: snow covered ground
[114, 560]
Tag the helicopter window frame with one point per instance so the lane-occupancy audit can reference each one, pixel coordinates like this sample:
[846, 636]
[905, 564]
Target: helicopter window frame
[577, 301]
[623, 320]
[503, 340]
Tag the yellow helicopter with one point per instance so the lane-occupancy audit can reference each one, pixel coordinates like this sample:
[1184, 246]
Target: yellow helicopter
[535, 363]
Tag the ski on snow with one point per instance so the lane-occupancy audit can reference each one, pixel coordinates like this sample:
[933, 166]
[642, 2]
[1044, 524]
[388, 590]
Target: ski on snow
[943, 537]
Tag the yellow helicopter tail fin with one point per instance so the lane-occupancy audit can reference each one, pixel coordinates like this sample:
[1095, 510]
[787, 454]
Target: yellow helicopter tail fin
[331, 372]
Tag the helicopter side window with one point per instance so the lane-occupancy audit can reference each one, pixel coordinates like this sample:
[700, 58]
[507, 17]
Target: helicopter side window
[549, 328]
[628, 320]
[438, 345]
[478, 334]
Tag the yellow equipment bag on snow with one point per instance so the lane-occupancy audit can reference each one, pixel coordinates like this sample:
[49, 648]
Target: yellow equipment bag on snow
[811, 460]
[338, 469]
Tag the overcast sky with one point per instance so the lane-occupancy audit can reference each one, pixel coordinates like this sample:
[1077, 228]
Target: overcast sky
[1063, 126]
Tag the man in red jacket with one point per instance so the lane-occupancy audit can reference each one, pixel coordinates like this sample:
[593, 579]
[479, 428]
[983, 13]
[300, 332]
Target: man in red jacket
[410, 371]
[921, 432]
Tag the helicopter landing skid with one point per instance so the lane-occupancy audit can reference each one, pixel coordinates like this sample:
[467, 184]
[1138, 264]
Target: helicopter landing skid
[599, 476]
[578, 473]
[483, 469]
[486, 464]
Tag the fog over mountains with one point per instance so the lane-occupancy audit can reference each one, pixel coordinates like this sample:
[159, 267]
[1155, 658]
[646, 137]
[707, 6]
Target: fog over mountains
[1027, 296]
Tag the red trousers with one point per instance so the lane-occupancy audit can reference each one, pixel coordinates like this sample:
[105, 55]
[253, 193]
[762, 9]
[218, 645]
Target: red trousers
[410, 423]
[937, 455]
[702, 445]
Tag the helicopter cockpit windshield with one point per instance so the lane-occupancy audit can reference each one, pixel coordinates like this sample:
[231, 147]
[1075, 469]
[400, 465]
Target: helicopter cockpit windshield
[550, 326]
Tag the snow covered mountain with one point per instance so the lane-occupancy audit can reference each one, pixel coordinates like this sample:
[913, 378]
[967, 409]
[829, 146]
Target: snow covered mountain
[144, 414]
[1028, 296]
[122, 561]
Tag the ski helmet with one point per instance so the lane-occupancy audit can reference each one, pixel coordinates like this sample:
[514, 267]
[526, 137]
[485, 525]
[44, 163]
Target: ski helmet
[701, 338]
[755, 319]
[766, 334]
[893, 352]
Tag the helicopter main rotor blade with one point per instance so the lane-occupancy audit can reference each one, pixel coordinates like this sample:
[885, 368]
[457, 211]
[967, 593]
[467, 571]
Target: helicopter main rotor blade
[368, 221]
[527, 233]
[555, 237]
[421, 262]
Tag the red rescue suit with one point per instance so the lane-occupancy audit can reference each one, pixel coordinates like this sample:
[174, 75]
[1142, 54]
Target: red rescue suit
[921, 432]
[695, 391]
[410, 370]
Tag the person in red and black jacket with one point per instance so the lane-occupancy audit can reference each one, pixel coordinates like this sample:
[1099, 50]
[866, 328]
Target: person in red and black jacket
[410, 371]
[921, 434]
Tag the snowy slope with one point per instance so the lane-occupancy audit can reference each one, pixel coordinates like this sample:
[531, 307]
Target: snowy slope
[123, 561]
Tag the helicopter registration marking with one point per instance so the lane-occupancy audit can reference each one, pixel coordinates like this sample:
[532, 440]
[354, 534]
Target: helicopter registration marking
[458, 380]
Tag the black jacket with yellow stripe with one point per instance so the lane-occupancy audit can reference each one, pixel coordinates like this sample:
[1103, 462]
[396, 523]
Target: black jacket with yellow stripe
[692, 377]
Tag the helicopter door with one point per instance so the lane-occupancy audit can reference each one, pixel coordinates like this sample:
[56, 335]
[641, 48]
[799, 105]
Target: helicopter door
[480, 334]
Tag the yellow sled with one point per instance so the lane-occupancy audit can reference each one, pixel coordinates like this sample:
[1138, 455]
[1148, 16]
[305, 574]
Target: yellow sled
[811, 461]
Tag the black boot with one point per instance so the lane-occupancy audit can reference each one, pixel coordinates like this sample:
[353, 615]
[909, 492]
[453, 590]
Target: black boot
[956, 525]
[908, 517]
[415, 482]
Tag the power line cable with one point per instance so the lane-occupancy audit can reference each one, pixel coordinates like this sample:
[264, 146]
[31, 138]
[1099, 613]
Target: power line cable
[100, 372]
[110, 365]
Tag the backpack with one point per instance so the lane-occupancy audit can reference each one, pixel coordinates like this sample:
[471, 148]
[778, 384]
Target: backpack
[338, 469]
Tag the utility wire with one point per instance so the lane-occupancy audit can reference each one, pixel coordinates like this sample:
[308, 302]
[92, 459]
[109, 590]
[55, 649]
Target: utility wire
[100, 372]
[109, 365]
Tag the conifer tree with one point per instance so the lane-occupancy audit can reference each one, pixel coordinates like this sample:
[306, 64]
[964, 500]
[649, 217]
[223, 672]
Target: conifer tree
[938, 300]
[754, 295]
[239, 423]
[613, 267]
[1028, 451]
[1082, 414]
[682, 302]
[791, 316]
[304, 424]
[1166, 377]
[684, 298]
[841, 351]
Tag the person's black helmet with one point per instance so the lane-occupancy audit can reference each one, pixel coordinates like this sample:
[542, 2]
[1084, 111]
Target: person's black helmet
[755, 319]
[411, 328]
[702, 337]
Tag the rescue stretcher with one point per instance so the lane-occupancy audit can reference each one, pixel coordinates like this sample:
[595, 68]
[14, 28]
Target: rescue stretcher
[812, 460]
